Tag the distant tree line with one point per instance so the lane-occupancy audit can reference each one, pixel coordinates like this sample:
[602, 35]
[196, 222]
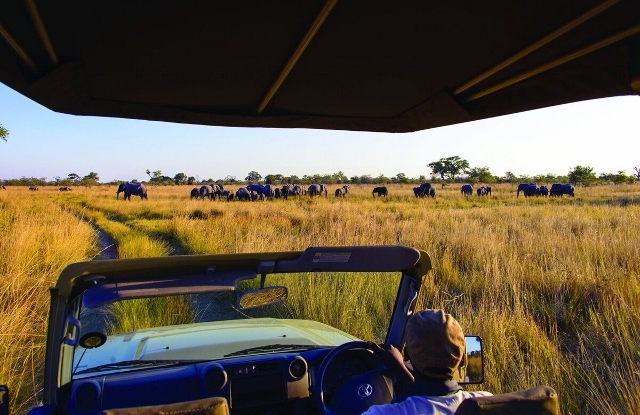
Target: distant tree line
[448, 170]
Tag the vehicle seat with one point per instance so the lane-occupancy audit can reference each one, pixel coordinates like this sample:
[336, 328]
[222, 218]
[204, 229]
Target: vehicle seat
[541, 400]
[208, 406]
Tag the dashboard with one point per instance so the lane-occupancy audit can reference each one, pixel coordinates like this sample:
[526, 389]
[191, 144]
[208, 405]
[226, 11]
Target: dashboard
[269, 383]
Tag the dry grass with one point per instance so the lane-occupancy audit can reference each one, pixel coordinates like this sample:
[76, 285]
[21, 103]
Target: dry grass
[550, 284]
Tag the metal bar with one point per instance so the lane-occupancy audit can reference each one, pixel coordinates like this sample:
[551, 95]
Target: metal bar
[324, 13]
[537, 45]
[555, 63]
[17, 49]
[42, 31]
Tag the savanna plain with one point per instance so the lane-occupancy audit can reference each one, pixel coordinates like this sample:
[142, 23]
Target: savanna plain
[550, 284]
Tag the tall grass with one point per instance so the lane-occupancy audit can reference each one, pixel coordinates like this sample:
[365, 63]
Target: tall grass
[550, 284]
[37, 240]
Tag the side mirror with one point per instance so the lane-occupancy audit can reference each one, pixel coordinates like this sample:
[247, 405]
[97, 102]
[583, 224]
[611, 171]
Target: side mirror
[474, 361]
[261, 297]
[4, 400]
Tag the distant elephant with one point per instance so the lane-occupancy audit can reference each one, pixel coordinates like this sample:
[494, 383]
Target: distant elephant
[65, 189]
[195, 193]
[559, 189]
[544, 191]
[33, 188]
[268, 191]
[466, 190]
[316, 190]
[380, 191]
[345, 189]
[528, 189]
[339, 192]
[423, 190]
[243, 194]
[484, 191]
[136, 189]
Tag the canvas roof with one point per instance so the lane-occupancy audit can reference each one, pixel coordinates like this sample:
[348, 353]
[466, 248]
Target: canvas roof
[392, 66]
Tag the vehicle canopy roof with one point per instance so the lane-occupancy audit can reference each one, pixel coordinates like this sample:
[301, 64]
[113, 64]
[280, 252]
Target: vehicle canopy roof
[350, 65]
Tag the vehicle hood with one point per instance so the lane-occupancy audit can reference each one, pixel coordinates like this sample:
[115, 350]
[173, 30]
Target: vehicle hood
[208, 341]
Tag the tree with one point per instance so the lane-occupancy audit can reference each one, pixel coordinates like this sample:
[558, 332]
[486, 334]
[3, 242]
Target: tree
[253, 176]
[4, 133]
[273, 178]
[509, 177]
[180, 178]
[73, 177]
[449, 167]
[617, 178]
[481, 175]
[637, 169]
[582, 174]
[401, 178]
[155, 176]
[90, 179]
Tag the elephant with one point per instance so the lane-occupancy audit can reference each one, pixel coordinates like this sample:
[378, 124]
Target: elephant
[243, 194]
[136, 189]
[33, 188]
[560, 189]
[466, 190]
[528, 189]
[544, 191]
[287, 190]
[425, 189]
[484, 191]
[210, 191]
[204, 191]
[268, 191]
[195, 193]
[380, 191]
[64, 189]
[317, 190]
[339, 192]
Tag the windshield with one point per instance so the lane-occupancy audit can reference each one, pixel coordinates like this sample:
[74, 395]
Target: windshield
[321, 309]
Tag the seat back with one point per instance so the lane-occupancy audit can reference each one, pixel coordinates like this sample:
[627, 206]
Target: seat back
[541, 400]
[208, 406]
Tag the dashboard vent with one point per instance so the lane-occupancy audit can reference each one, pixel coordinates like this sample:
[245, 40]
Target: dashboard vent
[215, 378]
[86, 396]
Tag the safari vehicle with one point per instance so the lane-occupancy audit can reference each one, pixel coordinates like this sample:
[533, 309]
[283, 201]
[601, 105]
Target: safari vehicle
[352, 65]
[235, 336]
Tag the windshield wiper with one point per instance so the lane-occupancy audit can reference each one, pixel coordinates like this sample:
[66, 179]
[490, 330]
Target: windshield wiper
[132, 364]
[274, 347]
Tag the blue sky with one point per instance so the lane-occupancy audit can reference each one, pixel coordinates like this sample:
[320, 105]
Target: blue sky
[602, 134]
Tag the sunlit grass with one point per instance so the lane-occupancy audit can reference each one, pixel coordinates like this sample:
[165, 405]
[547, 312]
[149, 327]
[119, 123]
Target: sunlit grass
[37, 240]
[551, 284]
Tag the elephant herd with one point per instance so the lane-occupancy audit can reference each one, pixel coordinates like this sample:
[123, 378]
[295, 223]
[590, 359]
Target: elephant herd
[268, 191]
[556, 190]
[262, 192]
[467, 190]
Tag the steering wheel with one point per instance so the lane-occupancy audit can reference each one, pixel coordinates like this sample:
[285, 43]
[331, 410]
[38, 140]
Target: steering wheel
[357, 394]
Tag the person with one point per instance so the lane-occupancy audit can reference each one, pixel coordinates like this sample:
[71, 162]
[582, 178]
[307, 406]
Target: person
[428, 382]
